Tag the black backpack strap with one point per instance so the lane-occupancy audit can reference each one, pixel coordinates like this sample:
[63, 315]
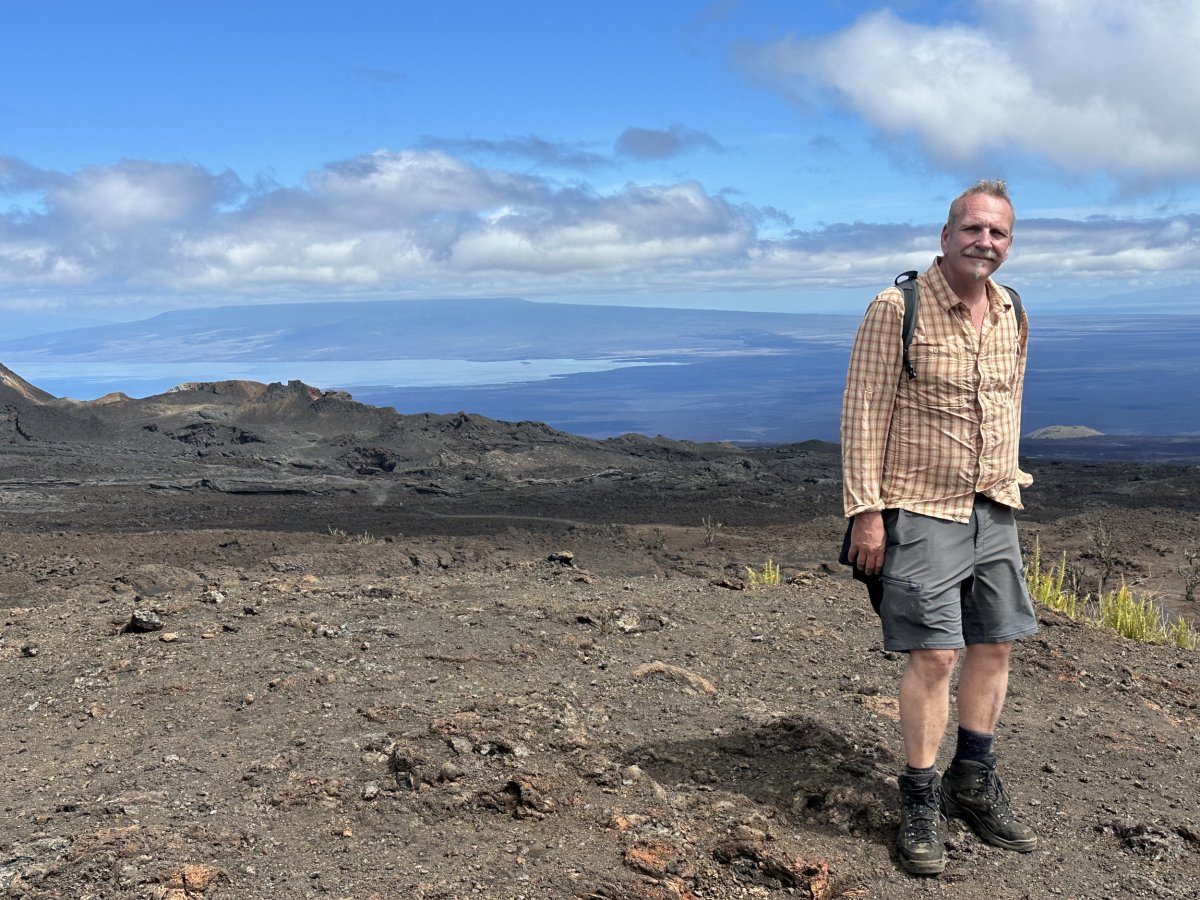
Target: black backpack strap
[907, 282]
[1018, 307]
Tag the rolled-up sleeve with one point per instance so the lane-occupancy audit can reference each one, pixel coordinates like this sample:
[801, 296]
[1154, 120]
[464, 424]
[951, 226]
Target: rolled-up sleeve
[875, 367]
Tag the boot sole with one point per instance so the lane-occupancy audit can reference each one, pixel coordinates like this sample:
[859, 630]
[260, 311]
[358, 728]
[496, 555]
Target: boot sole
[990, 837]
[923, 867]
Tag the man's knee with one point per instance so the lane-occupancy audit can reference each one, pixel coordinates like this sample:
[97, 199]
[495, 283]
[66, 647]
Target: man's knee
[932, 665]
[994, 655]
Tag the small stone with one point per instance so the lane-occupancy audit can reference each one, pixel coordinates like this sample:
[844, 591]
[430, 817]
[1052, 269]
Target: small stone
[30, 650]
[566, 557]
[625, 822]
[652, 857]
[213, 596]
[627, 622]
[168, 637]
[370, 790]
[248, 699]
[144, 620]
[450, 772]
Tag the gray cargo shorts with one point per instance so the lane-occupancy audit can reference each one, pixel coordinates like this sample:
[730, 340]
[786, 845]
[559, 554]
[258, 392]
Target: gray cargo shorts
[949, 584]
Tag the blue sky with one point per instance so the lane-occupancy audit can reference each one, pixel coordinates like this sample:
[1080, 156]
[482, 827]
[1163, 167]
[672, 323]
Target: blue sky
[747, 155]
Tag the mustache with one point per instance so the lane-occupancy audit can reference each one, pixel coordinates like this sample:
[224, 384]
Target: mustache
[983, 254]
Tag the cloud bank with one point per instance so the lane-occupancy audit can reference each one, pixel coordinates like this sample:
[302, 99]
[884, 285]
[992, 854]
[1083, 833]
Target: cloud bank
[422, 223]
[389, 223]
[1089, 85]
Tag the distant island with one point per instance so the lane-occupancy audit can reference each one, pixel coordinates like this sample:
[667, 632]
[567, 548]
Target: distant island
[1063, 432]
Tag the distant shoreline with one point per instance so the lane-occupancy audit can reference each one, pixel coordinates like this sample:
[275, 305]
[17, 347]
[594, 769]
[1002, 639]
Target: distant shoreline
[1172, 450]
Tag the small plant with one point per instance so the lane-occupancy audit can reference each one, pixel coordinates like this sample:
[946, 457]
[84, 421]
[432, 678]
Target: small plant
[1048, 588]
[345, 537]
[1181, 634]
[711, 529]
[1191, 575]
[1139, 618]
[1103, 551]
[768, 576]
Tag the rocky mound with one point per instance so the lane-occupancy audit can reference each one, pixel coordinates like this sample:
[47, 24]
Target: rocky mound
[14, 388]
[302, 427]
[1063, 432]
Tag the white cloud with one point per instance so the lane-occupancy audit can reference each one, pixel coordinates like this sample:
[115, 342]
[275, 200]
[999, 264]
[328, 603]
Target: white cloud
[422, 223]
[400, 223]
[1089, 85]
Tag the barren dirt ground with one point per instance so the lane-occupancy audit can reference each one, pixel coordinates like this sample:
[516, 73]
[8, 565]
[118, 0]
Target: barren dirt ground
[551, 692]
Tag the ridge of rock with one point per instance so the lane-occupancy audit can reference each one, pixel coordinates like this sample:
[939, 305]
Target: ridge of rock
[13, 386]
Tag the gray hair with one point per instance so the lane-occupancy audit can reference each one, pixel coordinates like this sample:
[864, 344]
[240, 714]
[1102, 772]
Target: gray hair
[994, 187]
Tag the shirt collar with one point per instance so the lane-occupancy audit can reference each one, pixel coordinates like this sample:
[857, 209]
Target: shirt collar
[941, 290]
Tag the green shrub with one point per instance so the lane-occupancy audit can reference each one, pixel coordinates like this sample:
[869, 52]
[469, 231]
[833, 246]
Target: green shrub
[711, 529]
[1138, 618]
[769, 574]
[346, 538]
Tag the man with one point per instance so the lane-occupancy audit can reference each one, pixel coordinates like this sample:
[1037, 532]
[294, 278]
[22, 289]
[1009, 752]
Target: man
[931, 481]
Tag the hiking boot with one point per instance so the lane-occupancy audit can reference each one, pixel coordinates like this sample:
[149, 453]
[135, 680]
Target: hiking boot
[973, 792]
[920, 843]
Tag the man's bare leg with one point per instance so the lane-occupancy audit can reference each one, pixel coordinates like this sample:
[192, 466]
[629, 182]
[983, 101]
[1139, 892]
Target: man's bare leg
[982, 686]
[924, 711]
[925, 704]
[971, 787]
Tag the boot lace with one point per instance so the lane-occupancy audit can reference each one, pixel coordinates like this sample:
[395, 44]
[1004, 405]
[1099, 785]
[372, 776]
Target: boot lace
[923, 812]
[997, 797]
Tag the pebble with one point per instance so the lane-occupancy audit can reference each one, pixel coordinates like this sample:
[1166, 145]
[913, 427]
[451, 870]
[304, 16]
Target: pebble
[449, 772]
[144, 620]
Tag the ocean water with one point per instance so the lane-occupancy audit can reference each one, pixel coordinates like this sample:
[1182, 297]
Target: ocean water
[1122, 375]
[1119, 375]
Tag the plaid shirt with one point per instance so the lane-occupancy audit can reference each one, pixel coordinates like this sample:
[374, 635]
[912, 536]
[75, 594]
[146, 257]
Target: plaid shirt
[929, 444]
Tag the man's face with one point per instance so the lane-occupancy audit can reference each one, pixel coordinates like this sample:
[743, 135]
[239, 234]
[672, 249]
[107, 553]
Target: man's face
[978, 240]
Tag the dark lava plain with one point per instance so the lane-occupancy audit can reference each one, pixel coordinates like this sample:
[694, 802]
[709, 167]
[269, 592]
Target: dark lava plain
[266, 642]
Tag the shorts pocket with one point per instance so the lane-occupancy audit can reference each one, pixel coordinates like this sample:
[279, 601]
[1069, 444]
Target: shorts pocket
[901, 584]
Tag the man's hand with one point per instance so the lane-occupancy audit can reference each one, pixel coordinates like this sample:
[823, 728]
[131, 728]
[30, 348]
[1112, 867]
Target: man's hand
[868, 541]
